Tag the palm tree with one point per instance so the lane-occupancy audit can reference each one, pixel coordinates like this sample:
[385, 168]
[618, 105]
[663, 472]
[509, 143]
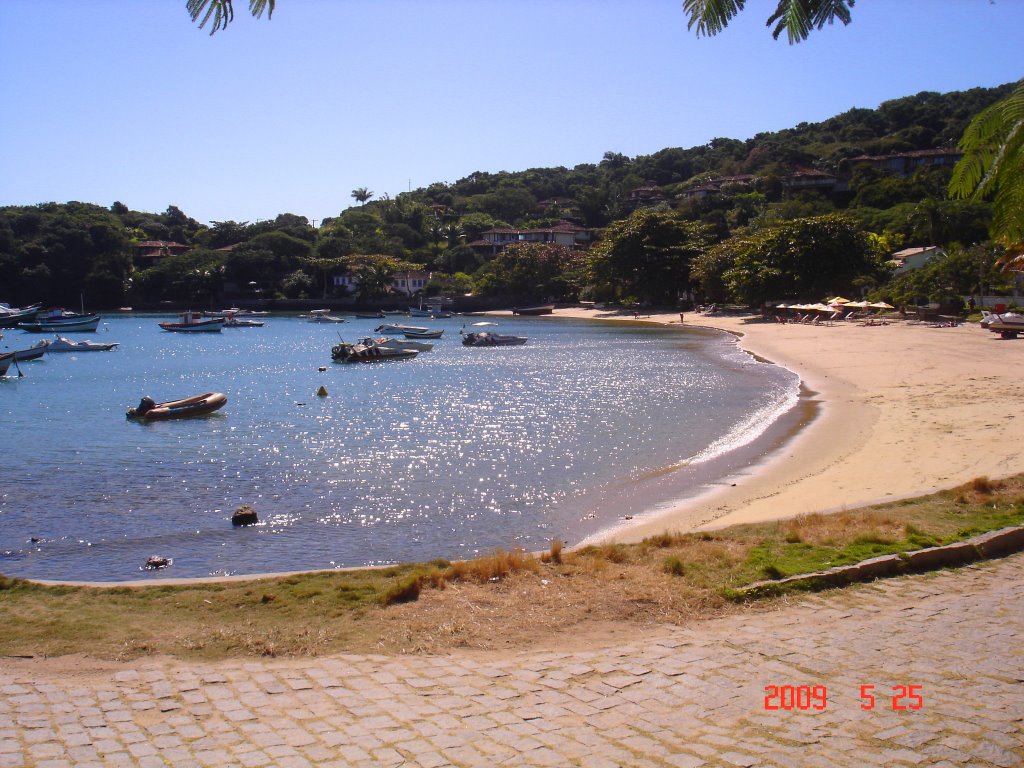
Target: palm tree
[993, 166]
[797, 17]
[222, 12]
[362, 194]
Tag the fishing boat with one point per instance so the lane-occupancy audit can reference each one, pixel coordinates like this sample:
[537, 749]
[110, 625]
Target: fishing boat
[392, 343]
[61, 344]
[398, 328]
[372, 353]
[323, 316]
[543, 309]
[489, 339]
[59, 321]
[200, 405]
[194, 322]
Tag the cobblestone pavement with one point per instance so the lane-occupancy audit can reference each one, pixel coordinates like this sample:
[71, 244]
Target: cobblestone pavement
[679, 697]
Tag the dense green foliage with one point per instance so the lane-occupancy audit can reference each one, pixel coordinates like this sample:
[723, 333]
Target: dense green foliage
[674, 223]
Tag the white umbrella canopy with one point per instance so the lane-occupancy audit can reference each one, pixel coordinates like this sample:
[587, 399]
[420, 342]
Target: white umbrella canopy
[881, 305]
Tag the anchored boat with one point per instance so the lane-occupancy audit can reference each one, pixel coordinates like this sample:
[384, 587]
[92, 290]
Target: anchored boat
[200, 405]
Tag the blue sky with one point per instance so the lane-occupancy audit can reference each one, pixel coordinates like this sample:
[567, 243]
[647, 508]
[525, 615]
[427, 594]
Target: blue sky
[105, 100]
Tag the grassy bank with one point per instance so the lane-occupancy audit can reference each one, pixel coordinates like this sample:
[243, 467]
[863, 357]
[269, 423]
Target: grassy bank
[508, 599]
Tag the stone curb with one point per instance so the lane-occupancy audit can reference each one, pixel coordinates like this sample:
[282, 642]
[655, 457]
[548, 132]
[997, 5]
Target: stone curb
[992, 544]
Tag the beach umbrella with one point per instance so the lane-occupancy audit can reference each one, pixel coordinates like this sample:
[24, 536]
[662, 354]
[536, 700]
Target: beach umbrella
[881, 305]
[857, 304]
[839, 300]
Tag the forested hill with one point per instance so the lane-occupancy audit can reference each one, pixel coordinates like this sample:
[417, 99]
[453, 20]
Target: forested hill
[925, 121]
[728, 188]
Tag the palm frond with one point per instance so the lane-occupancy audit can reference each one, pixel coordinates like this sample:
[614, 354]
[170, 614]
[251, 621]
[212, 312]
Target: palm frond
[800, 17]
[222, 12]
[711, 16]
[219, 10]
[257, 7]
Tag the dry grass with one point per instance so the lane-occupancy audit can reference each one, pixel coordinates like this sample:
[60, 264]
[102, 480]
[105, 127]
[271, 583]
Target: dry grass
[507, 599]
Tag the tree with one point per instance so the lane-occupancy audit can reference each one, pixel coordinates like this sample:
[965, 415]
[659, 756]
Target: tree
[532, 272]
[993, 166]
[806, 258]
[797, 17]
[361, 194]
[648, 256]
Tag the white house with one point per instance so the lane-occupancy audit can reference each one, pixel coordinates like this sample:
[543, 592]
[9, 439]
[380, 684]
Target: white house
[408, 283]
[914, 258]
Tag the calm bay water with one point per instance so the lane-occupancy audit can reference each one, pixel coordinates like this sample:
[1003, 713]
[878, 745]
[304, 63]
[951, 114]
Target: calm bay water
[454, 453]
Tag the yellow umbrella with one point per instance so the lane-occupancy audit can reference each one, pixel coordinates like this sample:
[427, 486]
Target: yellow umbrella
[881, 305]
[839, 300]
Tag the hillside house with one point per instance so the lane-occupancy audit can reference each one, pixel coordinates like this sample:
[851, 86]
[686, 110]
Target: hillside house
[149, 253]
[906, 163]
[564, 233]
[914, 258]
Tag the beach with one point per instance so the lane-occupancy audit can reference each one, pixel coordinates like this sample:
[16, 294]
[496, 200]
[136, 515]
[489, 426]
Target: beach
[905, 409]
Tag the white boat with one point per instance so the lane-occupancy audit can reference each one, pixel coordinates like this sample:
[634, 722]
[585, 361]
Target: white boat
[398, 328]
[234, 311]
[324, 316]
[1003, 318]
[61, 344]
[393, 343]
[231, 320]
[194, 322]
[428, 334]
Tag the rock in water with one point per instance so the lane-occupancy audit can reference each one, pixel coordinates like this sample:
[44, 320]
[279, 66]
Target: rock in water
[244, 515]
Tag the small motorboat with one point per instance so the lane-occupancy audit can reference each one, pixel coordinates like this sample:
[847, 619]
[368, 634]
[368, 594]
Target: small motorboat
[398, 328]
[429, 334]
[200, 405]
[193, 322]
[32, 353]
[324, 316]
[488, 339]
[10, 316]
[368, 316]
[61, 344]
[393, 343]
[369, 353]
[234, 311]
[6, 360]
[231, 320]
[59, 321]
[543, 309]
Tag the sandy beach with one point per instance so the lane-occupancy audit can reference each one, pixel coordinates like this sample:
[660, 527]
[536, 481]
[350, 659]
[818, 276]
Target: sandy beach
[906, 409]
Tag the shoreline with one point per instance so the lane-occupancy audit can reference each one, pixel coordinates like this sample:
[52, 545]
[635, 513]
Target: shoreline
[905, 410]
[902, 411]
